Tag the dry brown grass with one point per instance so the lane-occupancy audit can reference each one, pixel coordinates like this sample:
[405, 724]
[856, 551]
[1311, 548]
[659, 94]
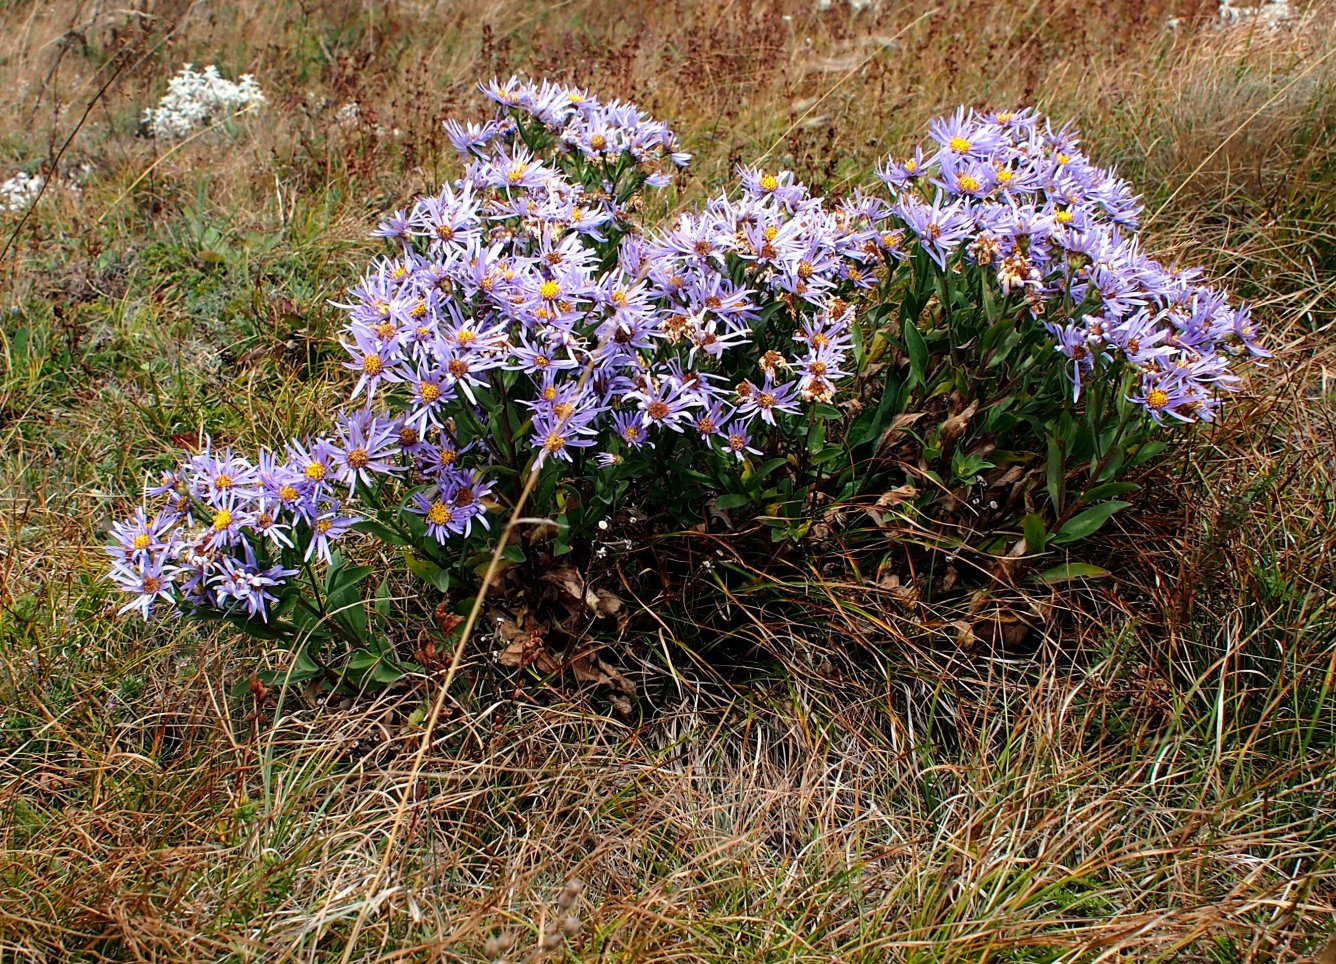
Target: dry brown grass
[1153, 783]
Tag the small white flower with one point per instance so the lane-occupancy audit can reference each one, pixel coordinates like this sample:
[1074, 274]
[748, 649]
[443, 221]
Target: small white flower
[195, 99]
[20, 190]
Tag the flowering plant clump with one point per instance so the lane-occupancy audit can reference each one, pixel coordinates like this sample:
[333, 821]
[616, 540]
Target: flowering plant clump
[17, 192]
[195, 99]
[980, 328]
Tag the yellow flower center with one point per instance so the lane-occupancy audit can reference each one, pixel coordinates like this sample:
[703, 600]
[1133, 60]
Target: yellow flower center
[1063, 217]
[141, 541]
[968, 183]
[771, 232]
[466, 336]
[769, 182]
[223, 482]
[358, 459]
[315, 471]
[632, 432]
[619, 298]
[1064, 158]
[222, 519]
[554, 442]
[1157, 398]
[439, 514]
[372, 365]
[386, 329]
[737, 443]
[429, 391]
[288, 493]
[959, 144]
[549, 290]
[598, 142]
[1005, 175]
[419, 309]
[324, 525]
[399, 272]
[549, 393]
[516, 173]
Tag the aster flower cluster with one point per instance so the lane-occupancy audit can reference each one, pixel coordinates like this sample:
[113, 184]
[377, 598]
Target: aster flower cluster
[1009, 193]
[524, 285]
[226, 532]
[195, 99]
[525, 321]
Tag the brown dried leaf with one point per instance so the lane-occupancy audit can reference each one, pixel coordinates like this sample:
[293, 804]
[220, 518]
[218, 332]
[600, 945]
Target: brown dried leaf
[954, 426]
[897, 428]
[528, 650]
[588, 668]
[901, 493]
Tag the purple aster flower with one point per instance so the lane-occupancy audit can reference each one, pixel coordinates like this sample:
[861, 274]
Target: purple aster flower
[665, 402]
[965, 136]
[314, 463]
[941, 227]
[438, 511]
[737, 441]
[898, 175]
[394, 228]
[628, 427]
[364, 447]
[214, 478]
[228, 524]
[372, 361]
[246, 585]
[140, 539]
[767, 399]
[555, 436]
[149, 581]
[327, 527]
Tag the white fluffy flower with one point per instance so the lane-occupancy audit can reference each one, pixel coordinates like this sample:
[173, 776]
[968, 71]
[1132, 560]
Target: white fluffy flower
[195, 99]
[20, 190]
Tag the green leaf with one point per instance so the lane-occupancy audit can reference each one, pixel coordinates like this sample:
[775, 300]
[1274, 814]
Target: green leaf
[816, 438]
[1147, 452]
[1108, 490]
[1068, 572]
[732, 500]
[428, 571]
[1086, 523]
[917, 350]
[382, 532]
[1056, 472]
[767, 468]
[1036, 534]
